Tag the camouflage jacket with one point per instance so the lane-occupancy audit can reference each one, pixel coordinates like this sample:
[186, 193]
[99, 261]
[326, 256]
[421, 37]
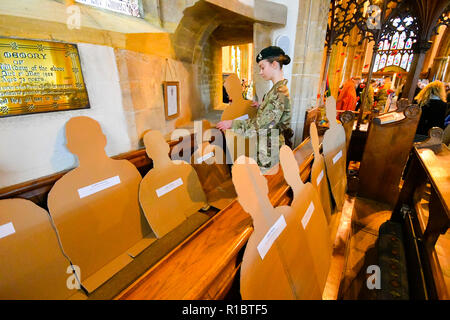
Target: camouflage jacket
[274, 113]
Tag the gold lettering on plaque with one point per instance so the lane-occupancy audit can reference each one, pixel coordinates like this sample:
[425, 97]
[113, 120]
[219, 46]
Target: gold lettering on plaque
[40, 76]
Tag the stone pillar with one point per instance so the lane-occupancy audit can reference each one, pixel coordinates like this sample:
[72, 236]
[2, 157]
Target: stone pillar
[420, 48]
[307, 60]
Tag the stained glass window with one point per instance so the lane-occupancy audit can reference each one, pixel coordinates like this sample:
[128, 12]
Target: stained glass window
[377, 62]
[390, 60]
[404, 62]
[401, 41]
[128, 7]
[382, 61]
[395, 46]
[395, 41]
[397, 59]
[409, 62]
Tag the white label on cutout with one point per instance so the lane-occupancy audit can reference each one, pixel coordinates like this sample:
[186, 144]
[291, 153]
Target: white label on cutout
[308, 215]
[319, 178]
[6, 230]
[205, 157]
[99, 186]
[244, 117]
[169, 187]
[271, 236]
[337, 157]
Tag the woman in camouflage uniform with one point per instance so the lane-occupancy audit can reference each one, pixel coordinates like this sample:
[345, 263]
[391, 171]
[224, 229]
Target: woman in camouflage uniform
[274, 114]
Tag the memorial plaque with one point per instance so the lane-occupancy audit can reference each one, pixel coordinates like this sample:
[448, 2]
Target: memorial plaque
[40, 76]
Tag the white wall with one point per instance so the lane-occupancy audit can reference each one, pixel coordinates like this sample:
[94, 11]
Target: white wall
[33, 146]
[288, 30]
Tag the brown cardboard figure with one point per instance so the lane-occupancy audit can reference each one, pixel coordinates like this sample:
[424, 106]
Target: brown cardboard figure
[318, 174]
[309, 216]
[32, 265]
[239, 107]
[170, 192]
[335, 154]
[277, 263]
[95, 207]
[213, 172]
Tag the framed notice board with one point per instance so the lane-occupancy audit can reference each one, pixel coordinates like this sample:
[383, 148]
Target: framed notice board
[171, 99]
[40, 76]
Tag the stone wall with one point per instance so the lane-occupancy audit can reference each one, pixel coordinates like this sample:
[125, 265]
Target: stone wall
[124, 62]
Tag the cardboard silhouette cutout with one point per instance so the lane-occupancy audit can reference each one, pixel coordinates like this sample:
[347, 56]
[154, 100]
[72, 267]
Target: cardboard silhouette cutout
[95, 207]
[277, 263]
[32, 265]
[318, 174]
[171, 191]
[210, 164]
[239, 107]
[310, 216]
[242, 109]
[335, 154]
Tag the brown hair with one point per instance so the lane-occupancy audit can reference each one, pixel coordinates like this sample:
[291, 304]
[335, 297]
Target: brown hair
[282, 60]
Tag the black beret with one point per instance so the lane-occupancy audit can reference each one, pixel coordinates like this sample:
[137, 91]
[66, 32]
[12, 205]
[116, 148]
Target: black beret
[270, 52]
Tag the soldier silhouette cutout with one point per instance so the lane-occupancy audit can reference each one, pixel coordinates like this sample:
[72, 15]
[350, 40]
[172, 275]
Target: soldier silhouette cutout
[95, 207]
[209, 163]
[239, 106]
[277, 269]
[335, 154]
[171, 191]
[32, 265]
[310, 216]
[318, 173]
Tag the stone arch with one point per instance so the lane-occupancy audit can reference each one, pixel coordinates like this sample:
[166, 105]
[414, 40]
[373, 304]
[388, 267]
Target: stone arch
[198, 38]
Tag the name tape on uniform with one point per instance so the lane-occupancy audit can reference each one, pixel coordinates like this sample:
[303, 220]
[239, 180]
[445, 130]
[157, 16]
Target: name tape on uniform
[6, 230]
[271, 235]
[244, 117]
[99, 186]
[337, 157]
[169, 187]
[319, 178]
[308, 215]
[205, 157]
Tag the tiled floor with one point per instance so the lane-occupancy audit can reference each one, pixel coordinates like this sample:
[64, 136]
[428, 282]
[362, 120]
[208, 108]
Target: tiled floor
[354, 249]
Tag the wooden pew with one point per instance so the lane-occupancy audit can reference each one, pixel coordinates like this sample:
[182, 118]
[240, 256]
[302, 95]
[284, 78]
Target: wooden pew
[385, 154]
[205, 264]
[210, 253]
[423, 207]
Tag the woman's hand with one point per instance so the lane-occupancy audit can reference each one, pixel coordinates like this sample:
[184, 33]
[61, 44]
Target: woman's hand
[255, 104]
[224, 125]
